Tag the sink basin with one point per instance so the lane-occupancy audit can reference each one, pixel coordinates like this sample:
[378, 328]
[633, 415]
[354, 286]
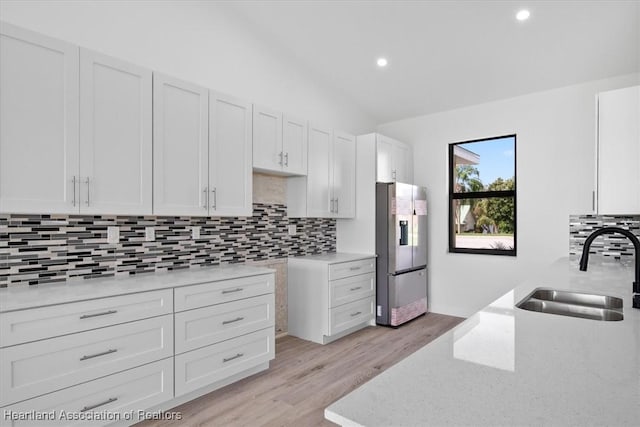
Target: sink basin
[574, 304]
[577, 298]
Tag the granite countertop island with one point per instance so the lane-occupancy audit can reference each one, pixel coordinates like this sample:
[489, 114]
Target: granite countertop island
[505, 366]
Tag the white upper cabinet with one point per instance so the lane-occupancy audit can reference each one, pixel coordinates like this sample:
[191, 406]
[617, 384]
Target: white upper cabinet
[267, 139]
[319, 172]
[329, 189]
[294, 145]
[394, 162]
[384, 159]
[279, 142]
[180, 147]
[38, 123]
[402, 155]
[618, 152]
[344, 175]
[115, 136]
[230, 156]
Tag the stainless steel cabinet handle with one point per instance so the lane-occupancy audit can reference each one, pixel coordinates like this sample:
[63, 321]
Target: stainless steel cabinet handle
[593, 200]
[74, 190]
[356, 288]
[228, 359]
[280, 162]
[393, 174]
[355, 268]
[286, 159]
[215, 198]
[206, 197]
[88, 190]
[88, 408]
[237, 319]
[104, 353]
[356, 313]
[104, 313]
[337, 209]
[230, 291]
[331, 206]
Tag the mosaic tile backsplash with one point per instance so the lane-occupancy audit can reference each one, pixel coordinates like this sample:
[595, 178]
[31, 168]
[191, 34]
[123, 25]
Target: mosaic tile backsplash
[612, 245]
[38, 249]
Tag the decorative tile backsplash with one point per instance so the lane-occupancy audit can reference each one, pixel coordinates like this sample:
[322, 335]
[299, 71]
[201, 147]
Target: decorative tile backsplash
[613, 245]
[46, 248]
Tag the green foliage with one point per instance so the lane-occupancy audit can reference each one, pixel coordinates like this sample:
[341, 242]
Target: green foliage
[468, 179]
[501, 210]
[496, 214]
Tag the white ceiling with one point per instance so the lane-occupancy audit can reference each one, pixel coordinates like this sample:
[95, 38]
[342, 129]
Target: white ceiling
[448, 54]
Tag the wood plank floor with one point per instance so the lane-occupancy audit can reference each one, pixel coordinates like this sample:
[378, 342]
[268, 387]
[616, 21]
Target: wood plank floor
[306, 377]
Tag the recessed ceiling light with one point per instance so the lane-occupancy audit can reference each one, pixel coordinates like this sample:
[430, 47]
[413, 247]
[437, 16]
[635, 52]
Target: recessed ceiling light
[382, 62]
[523, 15]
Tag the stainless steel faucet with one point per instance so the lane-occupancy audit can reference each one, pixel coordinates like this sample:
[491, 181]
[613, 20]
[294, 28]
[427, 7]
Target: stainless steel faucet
[584, 260]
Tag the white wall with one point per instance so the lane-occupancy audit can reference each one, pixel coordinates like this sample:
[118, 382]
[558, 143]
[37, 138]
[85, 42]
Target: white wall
[201, 42]
[555, 177]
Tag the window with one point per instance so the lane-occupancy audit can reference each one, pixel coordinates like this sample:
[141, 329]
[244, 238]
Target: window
[482, 196]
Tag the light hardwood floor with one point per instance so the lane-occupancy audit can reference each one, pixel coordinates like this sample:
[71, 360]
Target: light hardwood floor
[306, 377]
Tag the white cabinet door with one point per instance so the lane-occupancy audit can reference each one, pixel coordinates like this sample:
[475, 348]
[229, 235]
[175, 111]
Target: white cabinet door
[39, 123]
[619, 152]
[384, 159]
[267, 139]
[294, 145]
[344, 175]
[180, 147]
[230, 156]
[115, 136]
[319, 179]
[403, 162]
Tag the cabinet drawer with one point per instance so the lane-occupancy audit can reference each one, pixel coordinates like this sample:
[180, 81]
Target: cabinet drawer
[350, 289]
[131, 390]
[46, 322]
[40, 367]
[196, 296]
[207, 365]
[209, 325]
[352, 268]
[351, 314]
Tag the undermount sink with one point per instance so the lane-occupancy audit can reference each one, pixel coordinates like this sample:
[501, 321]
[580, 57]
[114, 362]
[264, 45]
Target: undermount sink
[574, 304]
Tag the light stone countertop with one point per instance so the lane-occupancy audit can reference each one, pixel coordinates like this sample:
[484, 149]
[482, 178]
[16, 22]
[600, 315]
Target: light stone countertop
[334, 258]
[505, 366]
[23, 296]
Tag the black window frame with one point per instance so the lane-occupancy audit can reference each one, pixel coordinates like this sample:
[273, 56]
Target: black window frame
[483, 195]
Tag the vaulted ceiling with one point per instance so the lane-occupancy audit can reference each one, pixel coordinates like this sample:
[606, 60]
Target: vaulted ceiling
[448, 54]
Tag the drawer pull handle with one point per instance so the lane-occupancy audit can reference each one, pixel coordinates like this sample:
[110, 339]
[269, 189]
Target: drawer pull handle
[104, 313]
[237, 319]
[230, 291]
[229, 359]
[104, 353]
[356, 288]
[355, 268]
[88, 408]
[356, 313]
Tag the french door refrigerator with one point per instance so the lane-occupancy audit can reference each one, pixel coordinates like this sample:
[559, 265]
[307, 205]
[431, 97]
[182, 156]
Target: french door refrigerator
[401, 246]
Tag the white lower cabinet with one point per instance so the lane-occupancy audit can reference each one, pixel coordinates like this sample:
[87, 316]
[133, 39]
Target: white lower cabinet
[208, 365]
[206, 294]
[351, 314]
[330, 296]
[116, 355]
[49, 365]
[208, 325]
[120, 395]
[22, 326]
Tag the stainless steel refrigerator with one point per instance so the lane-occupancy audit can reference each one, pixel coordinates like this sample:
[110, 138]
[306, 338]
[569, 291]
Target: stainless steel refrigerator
[401, 246]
